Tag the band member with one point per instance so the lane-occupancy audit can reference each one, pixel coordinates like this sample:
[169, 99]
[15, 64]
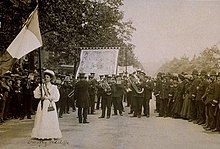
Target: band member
[157, 91]
[163, 96]
[128, 90]
[138, 85]
[92, 92]
[81, 96]
[117, 93]
[148, 96]
[64, 91]
[107, 97]
[99, 92]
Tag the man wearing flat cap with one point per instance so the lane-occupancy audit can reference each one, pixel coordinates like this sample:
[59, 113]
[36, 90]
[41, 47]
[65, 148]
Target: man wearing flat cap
[82, 98]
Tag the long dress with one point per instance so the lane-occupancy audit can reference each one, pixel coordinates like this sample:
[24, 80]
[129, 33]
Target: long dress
[46, 125]
[185, 112]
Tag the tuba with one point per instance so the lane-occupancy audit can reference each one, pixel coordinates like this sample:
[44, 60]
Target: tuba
[106, 87]
[135, 83]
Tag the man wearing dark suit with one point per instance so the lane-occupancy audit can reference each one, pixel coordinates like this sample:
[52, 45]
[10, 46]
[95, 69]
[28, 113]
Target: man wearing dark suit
[192, 96]
[92, 92]
[117, 93]
[148, 96]
[106, 97]
[82, 98]
[211, 98]
[138, 96]
[99, 92]
[200, 92]
[157, 90]
[218, 107]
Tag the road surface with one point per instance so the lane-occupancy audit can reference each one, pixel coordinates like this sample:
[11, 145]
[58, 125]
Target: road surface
[118, 132]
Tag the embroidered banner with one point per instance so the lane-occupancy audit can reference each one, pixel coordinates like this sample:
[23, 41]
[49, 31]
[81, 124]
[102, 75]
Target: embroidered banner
[99, 61]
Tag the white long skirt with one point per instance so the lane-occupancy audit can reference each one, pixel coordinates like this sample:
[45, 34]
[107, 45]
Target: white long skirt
[46, 124]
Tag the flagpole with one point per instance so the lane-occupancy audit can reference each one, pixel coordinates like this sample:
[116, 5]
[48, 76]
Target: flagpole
[39, 59]
[40, 73]
[126, 62]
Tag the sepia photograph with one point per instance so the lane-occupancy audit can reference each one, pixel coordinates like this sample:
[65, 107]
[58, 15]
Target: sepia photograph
[110, 74]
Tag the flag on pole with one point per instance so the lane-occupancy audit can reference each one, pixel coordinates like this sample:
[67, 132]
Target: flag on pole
[26, 41]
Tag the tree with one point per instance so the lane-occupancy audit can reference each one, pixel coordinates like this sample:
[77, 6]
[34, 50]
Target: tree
[208, 60]
[67, 25]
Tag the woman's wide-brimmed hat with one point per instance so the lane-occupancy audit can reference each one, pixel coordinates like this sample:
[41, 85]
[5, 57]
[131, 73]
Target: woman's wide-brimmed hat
[50, 73]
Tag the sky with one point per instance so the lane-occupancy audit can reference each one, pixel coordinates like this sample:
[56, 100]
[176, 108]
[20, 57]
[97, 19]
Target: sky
[172, 28]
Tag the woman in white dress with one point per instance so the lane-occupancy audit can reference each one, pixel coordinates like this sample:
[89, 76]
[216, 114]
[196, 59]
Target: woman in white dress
[46, 125]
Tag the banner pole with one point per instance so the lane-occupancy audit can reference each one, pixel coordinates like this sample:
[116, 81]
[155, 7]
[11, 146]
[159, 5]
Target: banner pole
[40, 73]
[126, 62]
[39, 59]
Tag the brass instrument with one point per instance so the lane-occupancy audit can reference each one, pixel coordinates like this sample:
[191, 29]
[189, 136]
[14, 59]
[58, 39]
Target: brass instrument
[128, 89]
[127, 85]
[135, 82]
[106, 87]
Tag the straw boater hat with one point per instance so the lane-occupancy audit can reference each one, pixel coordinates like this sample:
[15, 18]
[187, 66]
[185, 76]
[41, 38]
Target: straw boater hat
[50, 73]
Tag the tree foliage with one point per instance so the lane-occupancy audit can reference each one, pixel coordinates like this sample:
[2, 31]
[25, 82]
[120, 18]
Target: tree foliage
[208, 60]
[67, 25]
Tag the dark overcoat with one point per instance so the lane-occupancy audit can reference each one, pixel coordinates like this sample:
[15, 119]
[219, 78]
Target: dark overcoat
[81, 94]
[148, 90]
